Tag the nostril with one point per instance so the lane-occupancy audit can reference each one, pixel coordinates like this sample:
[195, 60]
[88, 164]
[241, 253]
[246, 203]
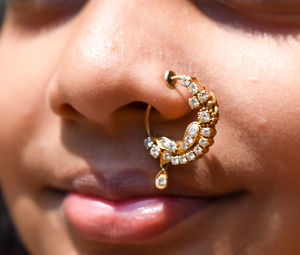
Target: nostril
[135, 107]
[138, 105]
[67, 111]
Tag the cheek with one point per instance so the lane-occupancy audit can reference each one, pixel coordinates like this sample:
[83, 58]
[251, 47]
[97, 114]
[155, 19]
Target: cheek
[257, 86]
[26, 65]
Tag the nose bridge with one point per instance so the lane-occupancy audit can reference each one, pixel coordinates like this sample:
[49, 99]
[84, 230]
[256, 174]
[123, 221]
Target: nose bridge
[116, 55]
[123, 35]
[108, 40]
[123, 40]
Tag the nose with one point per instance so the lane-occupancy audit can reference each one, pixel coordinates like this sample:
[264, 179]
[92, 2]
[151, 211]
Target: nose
[117, 55]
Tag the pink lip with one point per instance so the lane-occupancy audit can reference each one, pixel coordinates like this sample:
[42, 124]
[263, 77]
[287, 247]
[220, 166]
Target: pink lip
[132, 220]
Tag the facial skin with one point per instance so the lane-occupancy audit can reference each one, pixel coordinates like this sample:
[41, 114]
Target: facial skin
[74, 85]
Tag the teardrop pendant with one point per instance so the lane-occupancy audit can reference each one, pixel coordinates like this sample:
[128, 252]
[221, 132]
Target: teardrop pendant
[161, 179]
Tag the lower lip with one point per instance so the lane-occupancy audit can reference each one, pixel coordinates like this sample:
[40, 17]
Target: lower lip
[130, 221]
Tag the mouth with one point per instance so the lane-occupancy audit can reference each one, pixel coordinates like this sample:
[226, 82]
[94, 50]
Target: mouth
[132, 220]
[122, 205]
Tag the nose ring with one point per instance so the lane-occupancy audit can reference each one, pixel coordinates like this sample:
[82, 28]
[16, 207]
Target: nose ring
[198, 136]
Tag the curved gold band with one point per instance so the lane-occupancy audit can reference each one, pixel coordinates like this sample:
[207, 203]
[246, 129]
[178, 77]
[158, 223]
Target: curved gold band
[147, 120]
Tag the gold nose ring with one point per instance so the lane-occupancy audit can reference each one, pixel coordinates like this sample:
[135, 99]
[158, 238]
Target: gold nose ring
[198, 136]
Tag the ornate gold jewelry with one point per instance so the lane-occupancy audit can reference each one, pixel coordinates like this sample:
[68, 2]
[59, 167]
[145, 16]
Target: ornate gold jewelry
[198, 135]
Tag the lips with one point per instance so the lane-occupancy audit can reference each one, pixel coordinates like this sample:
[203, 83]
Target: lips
[125, 207]
[128, 221]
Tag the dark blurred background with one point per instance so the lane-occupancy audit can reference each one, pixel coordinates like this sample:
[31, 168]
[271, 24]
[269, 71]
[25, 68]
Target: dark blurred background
[1, 10]
[9, 241]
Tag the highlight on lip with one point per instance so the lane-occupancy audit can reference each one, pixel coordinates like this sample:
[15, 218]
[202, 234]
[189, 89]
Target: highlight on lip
[132, 220]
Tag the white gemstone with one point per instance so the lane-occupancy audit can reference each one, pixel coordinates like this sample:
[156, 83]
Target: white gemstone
[161, 181]
[186, 81]
[175, 160]
[182, 159]
[193, 102]
[188, 140]
[172, 146]
[165, 142]
[166, 157]
[194, 87]
[198, 150]
[169, 144]
[206, 132]
[191, 156]
[204, 117]
[148, 142]
[184, 146]
[203, 142]
[193, 130]
[154, 151]
[202, 96]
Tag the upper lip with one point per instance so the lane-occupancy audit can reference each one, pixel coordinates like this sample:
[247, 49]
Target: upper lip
[130, 183]
[118, 176]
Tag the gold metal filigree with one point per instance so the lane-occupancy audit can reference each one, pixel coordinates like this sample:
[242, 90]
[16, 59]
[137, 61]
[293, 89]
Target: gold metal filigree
[198, 136]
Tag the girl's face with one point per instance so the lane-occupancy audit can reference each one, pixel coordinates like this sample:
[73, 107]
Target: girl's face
[75, 80]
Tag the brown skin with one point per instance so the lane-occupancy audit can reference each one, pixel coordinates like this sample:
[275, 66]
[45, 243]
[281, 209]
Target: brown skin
[69, 86]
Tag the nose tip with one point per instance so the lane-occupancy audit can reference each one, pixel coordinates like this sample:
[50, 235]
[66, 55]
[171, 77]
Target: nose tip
[99, 73]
